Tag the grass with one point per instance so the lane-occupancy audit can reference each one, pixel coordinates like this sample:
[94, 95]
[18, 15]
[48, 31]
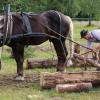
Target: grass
[34, 92]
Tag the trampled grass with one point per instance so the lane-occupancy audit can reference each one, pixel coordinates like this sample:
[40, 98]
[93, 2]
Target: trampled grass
[34, 92]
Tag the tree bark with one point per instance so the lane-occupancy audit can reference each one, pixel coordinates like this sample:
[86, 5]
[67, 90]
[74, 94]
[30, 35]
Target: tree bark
[90, 19]
[76, 87]
[50, 80]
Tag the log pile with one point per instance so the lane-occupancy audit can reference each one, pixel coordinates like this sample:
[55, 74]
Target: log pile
[50, 80]
[40, 63]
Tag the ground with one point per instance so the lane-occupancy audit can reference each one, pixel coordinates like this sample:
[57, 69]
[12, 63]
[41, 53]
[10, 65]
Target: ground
[30, 88]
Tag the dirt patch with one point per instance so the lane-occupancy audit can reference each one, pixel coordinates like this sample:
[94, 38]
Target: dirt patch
[8, 80]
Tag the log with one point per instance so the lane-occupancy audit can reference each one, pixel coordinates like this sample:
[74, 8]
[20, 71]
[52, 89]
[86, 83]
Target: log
[50, 80]
[90, 61]
[40, 63]
[77, 48]
[76, 87]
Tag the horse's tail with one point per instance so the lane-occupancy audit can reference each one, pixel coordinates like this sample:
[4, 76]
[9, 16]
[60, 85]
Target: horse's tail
[70, 35]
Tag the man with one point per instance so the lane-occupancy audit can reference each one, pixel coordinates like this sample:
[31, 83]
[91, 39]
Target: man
[93, 36]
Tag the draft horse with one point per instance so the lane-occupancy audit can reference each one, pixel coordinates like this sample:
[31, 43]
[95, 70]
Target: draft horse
[22, 29]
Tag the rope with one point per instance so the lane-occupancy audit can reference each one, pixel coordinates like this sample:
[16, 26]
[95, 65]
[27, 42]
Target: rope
[65, 38]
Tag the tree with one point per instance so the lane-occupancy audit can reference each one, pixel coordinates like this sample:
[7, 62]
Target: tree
[68, 7]
[72, 7]
[90, 8]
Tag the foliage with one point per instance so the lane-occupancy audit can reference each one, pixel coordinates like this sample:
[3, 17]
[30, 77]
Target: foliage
[69, 7]
[91, 8]
[73, 8]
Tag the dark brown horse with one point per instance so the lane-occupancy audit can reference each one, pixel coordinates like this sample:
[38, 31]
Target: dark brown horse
[50, 25]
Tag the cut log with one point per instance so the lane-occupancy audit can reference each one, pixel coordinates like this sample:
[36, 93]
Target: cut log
[40, 63]
[76, 87]
[90, 61]
[50, 80]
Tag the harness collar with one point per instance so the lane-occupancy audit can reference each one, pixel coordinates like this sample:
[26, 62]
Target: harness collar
[7, 29]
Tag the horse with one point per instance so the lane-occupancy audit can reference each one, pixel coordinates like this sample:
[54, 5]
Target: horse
[49, 25]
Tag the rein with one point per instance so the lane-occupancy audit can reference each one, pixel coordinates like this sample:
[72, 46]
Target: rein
[66, 38]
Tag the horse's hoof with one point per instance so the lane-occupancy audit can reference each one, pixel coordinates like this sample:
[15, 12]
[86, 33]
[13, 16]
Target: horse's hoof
[19, 78]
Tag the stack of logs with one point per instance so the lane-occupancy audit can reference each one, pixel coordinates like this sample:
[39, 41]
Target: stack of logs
[70, 81]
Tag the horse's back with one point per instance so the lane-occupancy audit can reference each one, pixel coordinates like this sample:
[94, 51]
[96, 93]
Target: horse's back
[49, 20]
[57, 22]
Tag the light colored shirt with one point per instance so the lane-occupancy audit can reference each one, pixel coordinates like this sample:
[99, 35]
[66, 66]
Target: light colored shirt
[95, 37]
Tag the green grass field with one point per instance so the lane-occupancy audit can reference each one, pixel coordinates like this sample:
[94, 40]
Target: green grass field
[13, 90]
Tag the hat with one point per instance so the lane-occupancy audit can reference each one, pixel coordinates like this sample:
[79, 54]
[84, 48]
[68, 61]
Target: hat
[83, 33]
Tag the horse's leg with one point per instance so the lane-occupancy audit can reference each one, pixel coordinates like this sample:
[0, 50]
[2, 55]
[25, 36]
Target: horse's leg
[18, 52]
[62, 53]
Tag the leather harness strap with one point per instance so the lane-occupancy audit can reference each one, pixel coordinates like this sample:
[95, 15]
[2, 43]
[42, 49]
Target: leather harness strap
[26, 22]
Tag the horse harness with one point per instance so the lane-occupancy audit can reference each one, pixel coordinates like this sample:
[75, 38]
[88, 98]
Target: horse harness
[28, 30]
[26, 22]
[27, 25]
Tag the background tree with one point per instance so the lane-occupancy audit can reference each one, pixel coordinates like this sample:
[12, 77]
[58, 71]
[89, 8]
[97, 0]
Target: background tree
[73, 8]
[90, 8]
[68, 7]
